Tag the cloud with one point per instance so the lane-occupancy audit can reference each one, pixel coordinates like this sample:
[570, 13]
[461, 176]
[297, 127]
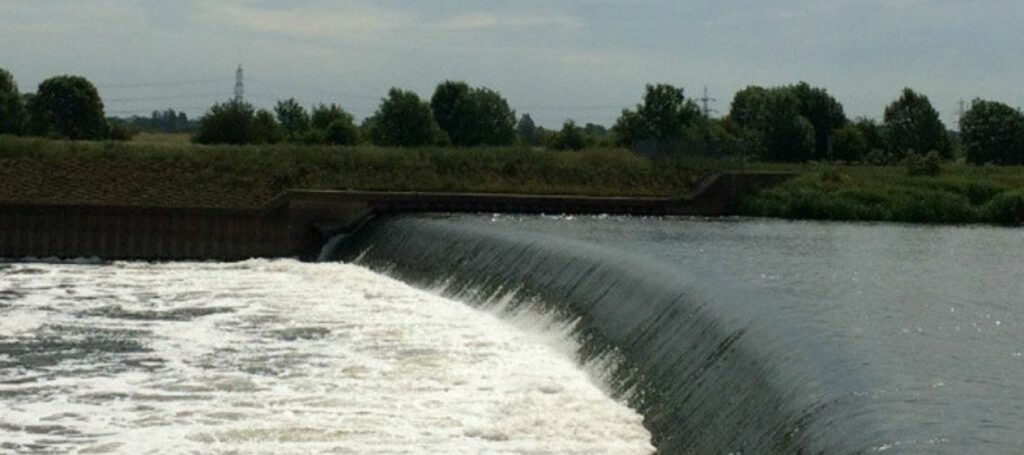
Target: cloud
[509, 21]
[347, 20]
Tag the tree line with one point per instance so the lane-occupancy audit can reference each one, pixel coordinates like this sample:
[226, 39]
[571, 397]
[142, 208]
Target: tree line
[793, 123]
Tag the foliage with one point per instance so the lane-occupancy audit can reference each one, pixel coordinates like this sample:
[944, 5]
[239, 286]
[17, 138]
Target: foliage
[333, 125]
[823, 112]
[69, 107]
[231, 122]
[849, 144]
[528, 132]
[960, 194]
[571, 137]
[12, 105]
[119, 131]
[403, 120]
[43, 171]
[912, 124]
[1006, 208]
[992, 132]
[473, 116]
[292, 117]
[265, 128]
[663, 117]
[341, 132]
[789, 136]
[929, 165]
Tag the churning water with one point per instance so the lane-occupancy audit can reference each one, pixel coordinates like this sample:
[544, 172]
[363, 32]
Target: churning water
[760, 336]
[283, 357]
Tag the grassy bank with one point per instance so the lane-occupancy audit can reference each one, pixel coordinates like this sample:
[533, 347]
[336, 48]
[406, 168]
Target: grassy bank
[959, 194]
[162, 173]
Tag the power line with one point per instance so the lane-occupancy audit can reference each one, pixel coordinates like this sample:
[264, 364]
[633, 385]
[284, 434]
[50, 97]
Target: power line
[161, 98]
[162, 84]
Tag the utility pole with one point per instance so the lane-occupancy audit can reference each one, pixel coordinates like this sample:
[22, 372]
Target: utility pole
[706, 100]
[239, 85]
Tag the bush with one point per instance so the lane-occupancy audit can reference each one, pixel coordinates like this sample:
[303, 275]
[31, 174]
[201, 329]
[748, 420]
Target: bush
[569, 138]
[341, 132]
[929, 165]
[232, 122]
[1006, 208]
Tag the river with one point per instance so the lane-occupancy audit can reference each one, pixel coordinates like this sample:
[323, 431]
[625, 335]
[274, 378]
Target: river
[532, 334]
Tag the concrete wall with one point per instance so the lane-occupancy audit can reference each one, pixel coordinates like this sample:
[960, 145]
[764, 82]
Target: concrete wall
[298, 223]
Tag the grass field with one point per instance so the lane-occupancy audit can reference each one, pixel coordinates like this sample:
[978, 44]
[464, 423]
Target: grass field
[167, 171]
[172, 173]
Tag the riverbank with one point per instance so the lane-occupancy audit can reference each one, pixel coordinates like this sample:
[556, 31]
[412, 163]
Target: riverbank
[38, 171]
[959, 194]
[159, 174]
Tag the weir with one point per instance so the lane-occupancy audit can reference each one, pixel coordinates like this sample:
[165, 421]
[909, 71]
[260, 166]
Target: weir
[299, 222]
[709, 372]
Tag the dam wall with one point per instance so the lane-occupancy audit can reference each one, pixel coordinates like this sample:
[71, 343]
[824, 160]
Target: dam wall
[299, 222]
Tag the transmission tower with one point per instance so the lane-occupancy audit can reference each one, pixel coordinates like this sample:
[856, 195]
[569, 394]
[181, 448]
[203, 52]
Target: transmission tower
[706, 100]
[239, 85]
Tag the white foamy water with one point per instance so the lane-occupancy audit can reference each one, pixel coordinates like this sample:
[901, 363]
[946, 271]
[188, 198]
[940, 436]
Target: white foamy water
[281, 357]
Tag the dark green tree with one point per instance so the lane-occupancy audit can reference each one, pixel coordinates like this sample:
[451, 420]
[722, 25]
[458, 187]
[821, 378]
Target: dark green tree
[12, 105]
[473, 116]
[912, 124]
[231, 122]
[342, 132]
[404, 120]
[849, 144]
[824, 113]
[663, 117]
[67, 106]
[292, 117]
[527, 131]
[571, 137]
[323, 115]
[788, 135]
[266, 130]
[749, 109]
[334, 125]
[992, 132]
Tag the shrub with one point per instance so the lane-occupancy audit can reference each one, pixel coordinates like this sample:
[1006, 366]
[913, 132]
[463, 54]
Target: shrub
[1006, 208]
[929, 165]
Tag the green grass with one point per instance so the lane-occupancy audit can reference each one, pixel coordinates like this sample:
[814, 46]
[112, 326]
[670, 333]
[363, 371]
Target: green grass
[181, 174]
[171, 173]
[960, 194]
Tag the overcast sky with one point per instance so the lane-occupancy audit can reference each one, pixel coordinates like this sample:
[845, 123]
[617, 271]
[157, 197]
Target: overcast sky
[556, 59]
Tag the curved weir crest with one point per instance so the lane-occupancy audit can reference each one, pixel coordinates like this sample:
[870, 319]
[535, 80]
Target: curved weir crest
[710, 372]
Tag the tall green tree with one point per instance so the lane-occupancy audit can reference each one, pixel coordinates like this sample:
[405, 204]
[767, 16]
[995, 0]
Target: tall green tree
[663, 117]
[404, 120]
[912, 124]
[473, 116]
[334, 125]
[292, 117]
[823, 112]
[527, 131]
[788, 135]
[68, 106]
[12, 105]
[992, 132]
[749, 108]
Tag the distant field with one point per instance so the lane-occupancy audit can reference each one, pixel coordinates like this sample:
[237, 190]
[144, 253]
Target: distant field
[157, 172]
[162, 138]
